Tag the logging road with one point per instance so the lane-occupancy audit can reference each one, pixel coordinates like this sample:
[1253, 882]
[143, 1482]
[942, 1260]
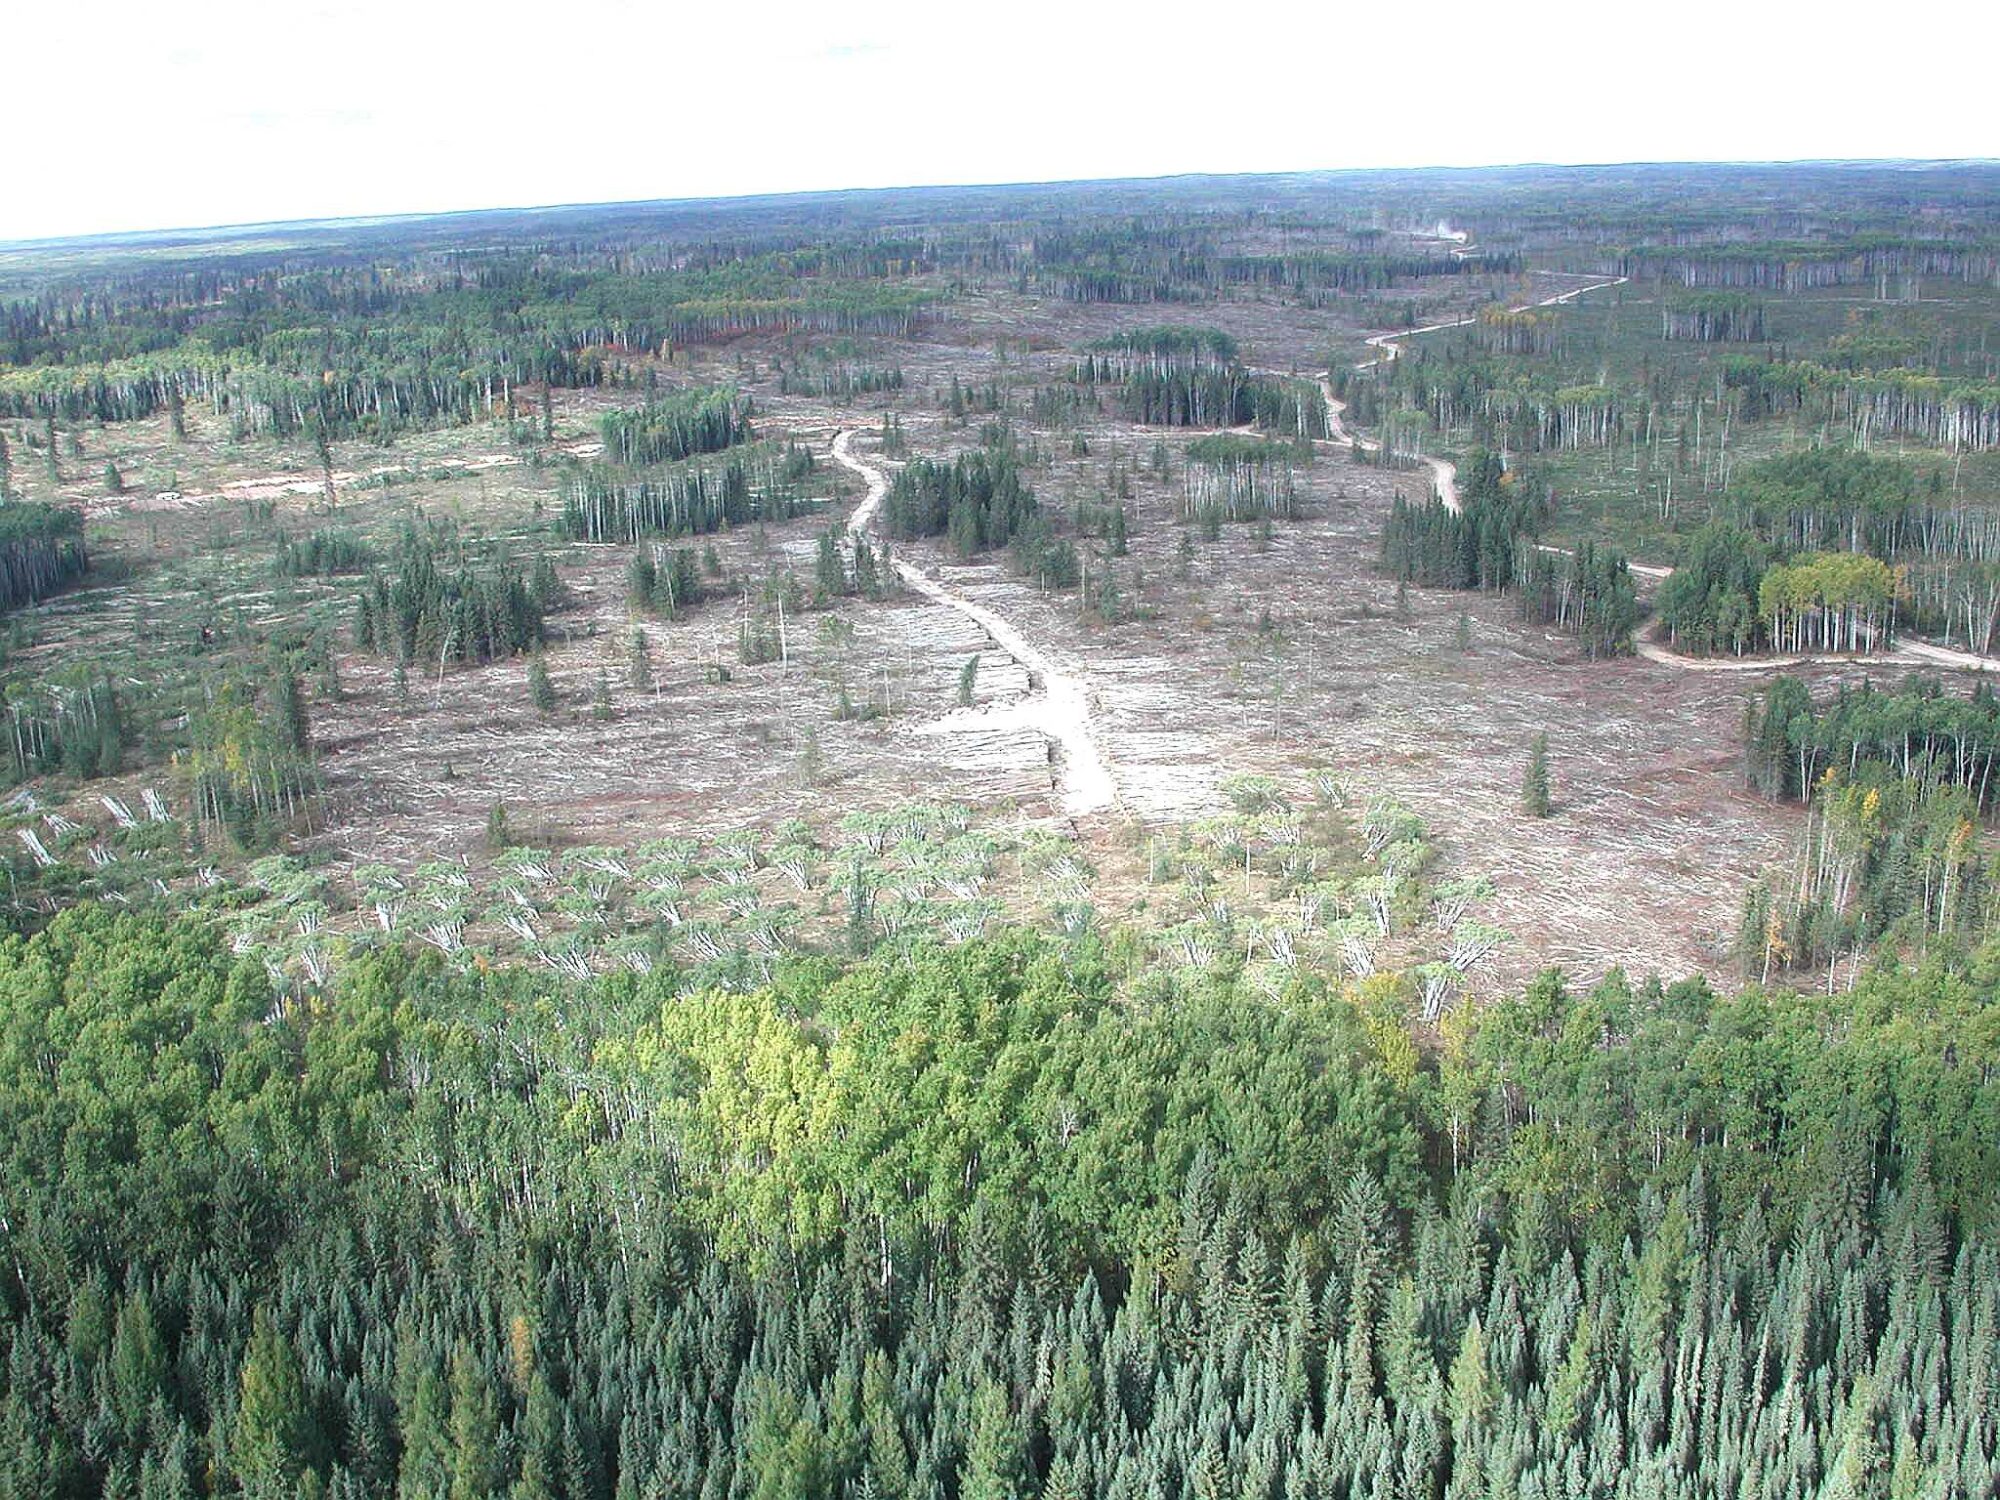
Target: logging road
[1647, 644]
[1058, 705]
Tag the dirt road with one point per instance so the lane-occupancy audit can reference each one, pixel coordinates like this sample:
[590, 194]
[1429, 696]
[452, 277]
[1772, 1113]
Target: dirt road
[1445, 476]
[1390, 346]
[1058, 706]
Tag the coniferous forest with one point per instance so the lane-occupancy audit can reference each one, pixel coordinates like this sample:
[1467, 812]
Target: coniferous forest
[434, 1236]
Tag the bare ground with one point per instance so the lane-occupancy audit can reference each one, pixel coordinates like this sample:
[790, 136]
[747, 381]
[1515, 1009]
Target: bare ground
[1279, 658]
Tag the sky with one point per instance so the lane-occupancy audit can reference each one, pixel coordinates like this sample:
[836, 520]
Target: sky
[151, 115]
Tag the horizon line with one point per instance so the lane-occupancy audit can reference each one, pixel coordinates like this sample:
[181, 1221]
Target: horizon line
[406, 216]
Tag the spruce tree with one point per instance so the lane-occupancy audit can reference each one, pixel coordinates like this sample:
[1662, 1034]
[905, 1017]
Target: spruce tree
[642, 578]
[541, 691]
[272, 1442]
[830, 571]
[138, 1363]
[867, 580]
[995, 1460]
[639, 671]
[544, 588]
[477, 1467]
[1535, 800]
[294, 726]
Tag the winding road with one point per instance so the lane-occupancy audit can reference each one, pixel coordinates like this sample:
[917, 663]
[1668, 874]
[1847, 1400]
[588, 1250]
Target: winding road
[1058, 705]
[1646, 644]
[1390, 349]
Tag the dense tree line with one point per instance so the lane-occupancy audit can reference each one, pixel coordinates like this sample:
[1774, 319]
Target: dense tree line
[1713, 318]
[1586, 591]
[843, 382]
[1240, 478]
[603, 503]
[41, 550]
[1828, 601]
[325, 552]
[1709, 604]
[675, 427]
[1504, 405]
[1919, 731]
[1898, 784]
[249, 760]
[663, 580]
[1480, 546]
[1189, 377]
[1727, 595]
[1168, 263]
[1182, 343]
[1311, 271]
[465, 1235]
[1837, 498]
[374, 350]
[77, 729]
[1829, 549]
[1518, 330]
[1492, 543]
[1799, 265]
[1948, 412]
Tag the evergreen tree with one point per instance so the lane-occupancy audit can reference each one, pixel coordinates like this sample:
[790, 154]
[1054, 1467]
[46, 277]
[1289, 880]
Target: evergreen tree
[995, 1465]
[830, 569]
[138, 1363]
[273, 1442]
[293, 722]
[544, 587]
[1535, 800]
[499, 835]
[639, 657]
[477, 1463]
[541, 691]
[867, 581]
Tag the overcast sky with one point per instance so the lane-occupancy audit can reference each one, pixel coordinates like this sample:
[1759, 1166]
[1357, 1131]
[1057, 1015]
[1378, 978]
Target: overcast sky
[137, 114]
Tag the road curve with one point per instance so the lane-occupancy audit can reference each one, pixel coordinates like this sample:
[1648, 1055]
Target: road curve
[1645, 643]
[1058, 706]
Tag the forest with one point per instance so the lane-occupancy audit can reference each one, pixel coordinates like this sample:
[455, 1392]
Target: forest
[1316, 837]
[961, 1224]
